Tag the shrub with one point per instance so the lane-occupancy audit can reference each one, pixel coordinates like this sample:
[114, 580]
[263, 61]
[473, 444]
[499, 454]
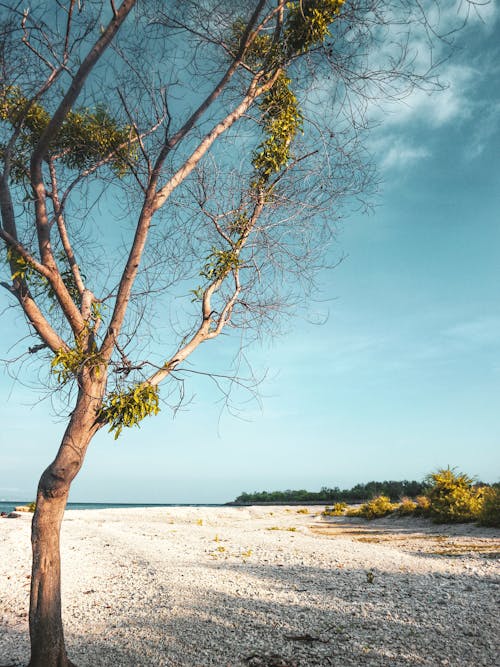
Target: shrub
[423, 505]
[336, 510]
[375, 508]
[490, 511]
[406, 507]
[32, 506]
[453, 497]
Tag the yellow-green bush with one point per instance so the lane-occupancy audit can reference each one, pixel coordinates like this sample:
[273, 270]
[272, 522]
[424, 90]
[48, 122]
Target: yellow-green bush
[423, 505]
[490, 511]
[453, 497]
[406, 507]
[336, 510]
[375, 508]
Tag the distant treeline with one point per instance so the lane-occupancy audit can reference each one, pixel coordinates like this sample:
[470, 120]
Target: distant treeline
[359, 493]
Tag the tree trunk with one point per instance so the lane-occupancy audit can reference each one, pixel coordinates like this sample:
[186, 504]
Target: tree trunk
[46, 629]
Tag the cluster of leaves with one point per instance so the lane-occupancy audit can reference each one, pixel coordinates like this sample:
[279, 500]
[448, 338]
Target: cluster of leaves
[308, 23]
[67, 364]
[264, 51]
[282, 120]
[219, 263]
[129, 408]
[87, 136]
[239, 224]
[21, 268]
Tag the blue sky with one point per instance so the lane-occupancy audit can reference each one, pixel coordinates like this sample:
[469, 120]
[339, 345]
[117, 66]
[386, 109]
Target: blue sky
[402, 378]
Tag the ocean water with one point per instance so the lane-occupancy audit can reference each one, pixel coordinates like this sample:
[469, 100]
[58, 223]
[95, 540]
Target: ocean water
[9, 505]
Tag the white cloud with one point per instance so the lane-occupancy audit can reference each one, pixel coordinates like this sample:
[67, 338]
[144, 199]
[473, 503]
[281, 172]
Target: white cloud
[437, 108]
[400, 155]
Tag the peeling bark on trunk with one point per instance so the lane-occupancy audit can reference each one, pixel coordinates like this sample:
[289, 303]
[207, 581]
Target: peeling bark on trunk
[45, 619]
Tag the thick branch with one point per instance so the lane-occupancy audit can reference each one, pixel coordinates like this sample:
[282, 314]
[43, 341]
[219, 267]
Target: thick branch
[69, 308]
[8, 233]
[254, 91]
[247, 39]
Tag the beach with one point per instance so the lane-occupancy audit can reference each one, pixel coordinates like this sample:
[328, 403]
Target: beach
[260, 587]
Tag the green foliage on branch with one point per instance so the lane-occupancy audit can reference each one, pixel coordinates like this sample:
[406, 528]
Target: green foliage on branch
[86, 138]
[282, 120]
[67, 364]
[129, 408]
[21, 268]
[308, 22]
[264, 51]
[219, 263]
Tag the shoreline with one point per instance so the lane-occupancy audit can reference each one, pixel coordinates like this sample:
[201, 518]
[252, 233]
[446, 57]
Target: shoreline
[235, 586]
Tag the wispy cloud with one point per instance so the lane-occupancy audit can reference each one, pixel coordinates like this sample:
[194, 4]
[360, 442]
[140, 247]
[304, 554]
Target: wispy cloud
[407, 126]
[400, 155]
[475, 333]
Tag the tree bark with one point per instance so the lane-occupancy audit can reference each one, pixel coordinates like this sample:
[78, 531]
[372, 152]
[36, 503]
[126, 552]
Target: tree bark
[45, 618]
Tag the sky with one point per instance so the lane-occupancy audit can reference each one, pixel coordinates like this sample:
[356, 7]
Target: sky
[401, 377]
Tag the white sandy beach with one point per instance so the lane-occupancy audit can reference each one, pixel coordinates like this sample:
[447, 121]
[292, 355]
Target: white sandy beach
[260, 587]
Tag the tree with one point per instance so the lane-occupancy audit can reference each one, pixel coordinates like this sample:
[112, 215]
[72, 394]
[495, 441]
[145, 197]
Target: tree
[228, 138]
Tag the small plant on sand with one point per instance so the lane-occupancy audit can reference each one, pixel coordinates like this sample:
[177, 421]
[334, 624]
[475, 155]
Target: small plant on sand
[375, 508]
[302, 510]
[453, 497]
[490, 511]
[406, 507]
[32, 506]
[336, 510]
[199, 522]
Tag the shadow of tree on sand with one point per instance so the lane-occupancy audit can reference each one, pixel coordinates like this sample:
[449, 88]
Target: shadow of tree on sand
[327, 617]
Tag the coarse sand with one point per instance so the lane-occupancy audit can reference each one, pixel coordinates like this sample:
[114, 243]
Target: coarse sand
[260, 587]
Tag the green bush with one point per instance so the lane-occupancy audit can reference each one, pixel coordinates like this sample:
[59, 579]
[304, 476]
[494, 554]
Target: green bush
[490, 511]
[423, 505]
[375, 508]
[453, 497]
[336, 510]
[406, 507]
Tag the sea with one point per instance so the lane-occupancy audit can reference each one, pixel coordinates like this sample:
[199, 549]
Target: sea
[9, 505]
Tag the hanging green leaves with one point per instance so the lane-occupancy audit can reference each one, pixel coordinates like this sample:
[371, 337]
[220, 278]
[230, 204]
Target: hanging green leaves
[282, 120]
[67, 364]
[308, 22]
[128, 408]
